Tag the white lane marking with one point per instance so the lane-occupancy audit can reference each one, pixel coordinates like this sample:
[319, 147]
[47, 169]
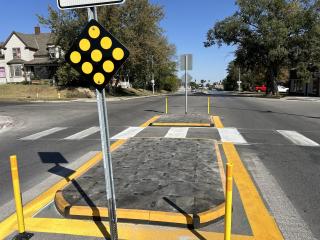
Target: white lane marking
[231, 135]
[83, 134]
[177, 132]
[298, 138]
[128, 133]
[43, 133]
[290, 222]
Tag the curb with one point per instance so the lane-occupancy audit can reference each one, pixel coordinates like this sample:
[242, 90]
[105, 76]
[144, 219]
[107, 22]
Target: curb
[67, 210]
[185, 124]
[182, 124]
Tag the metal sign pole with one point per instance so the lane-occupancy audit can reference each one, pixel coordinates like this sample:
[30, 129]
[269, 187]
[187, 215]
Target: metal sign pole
[186, 81]
[239, 83]
[105, 141]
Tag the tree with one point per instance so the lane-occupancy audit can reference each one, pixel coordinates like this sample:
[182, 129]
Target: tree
[265, 33]
[194, 85]
[136, 24]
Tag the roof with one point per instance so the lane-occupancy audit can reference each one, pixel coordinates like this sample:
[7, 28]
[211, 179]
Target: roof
[38, 42]
[41, 61]
[16, 61]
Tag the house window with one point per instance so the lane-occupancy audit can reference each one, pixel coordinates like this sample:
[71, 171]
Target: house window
[16, 53]
[2, 72]
[16, 70]
[52, 52]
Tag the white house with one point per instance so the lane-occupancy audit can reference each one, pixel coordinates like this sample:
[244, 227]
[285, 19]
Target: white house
[25, 57]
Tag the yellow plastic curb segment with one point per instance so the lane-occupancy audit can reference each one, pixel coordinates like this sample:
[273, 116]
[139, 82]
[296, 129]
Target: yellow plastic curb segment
[135, 214]
[182, 124]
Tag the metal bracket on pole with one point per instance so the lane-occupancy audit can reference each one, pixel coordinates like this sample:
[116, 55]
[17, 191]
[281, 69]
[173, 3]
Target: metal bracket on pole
[107, 161]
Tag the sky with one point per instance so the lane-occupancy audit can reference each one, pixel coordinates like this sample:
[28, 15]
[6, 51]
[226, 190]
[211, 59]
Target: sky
[185, 24]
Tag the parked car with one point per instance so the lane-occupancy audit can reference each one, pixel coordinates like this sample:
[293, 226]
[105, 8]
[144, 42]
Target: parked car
[282, 89]
[262, 88]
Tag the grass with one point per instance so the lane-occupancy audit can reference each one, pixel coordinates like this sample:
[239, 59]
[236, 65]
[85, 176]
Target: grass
[45, 92]
[40, 92]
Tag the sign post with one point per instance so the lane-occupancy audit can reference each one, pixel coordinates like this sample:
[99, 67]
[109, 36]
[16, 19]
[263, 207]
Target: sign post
[105, 142]
[186, 64]
[97, 55]
[186, 83]
[239, 81]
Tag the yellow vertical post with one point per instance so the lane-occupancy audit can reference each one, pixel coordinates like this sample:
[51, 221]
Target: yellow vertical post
[208, 105]
[228, 211]
[166, 105]
[17, 193]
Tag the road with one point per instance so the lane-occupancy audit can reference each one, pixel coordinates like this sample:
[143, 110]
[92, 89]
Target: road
[286, 173]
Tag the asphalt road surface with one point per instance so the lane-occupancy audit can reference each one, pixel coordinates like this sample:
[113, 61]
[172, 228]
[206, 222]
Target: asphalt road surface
[279, 146]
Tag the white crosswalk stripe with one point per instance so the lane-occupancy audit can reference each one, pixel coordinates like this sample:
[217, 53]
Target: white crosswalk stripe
[177, 132]
[83, 134]
[231, 135]
[128, 133]
[43, 133]
[226, 134]
[298, 138]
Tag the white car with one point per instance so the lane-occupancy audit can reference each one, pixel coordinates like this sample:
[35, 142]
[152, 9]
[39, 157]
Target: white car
[282, 89]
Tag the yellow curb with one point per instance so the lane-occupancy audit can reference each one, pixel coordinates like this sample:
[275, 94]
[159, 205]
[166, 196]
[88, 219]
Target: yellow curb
[181, 124]
[150, 121]
[262, 223]
[217, 121]
[126, 231]
[135, 214]
[8, 225]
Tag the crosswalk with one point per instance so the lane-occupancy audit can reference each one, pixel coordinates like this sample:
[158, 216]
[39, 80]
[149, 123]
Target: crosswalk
[234, 135]
[83, 134]
[298, 138]
[43, 133]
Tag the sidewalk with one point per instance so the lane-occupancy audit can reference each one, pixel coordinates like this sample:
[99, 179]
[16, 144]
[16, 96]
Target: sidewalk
[305, 99]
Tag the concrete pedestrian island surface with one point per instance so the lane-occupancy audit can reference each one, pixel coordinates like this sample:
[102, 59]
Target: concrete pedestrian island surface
[192, 120]
[153, 174]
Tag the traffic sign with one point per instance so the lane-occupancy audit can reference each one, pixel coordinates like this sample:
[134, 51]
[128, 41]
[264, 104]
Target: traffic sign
[183, 78]
[97, 55]
[64, 4]
[186, 59]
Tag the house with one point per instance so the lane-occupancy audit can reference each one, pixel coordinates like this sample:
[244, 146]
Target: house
[299, 87]
[26, 57]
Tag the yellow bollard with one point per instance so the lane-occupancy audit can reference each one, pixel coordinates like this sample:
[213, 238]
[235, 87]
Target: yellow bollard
[208, 105]
[228, 211]
[166, 105]
[59, 95]
[17, 193]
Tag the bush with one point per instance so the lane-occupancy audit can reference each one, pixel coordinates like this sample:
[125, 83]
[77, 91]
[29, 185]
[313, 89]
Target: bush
[170, 83]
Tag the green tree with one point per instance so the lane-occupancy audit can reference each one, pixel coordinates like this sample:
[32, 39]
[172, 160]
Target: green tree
[265, 33]
[135, 23]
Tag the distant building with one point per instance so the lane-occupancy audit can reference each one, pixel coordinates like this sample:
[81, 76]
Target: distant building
[26, 57]
[299, 87]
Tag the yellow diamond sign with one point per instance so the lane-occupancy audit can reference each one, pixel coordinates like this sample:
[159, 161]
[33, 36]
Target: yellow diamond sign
[97, 55]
